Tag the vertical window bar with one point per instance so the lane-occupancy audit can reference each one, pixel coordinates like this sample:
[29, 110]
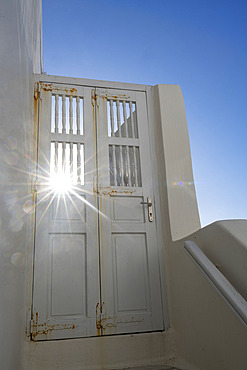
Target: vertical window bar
[63, 114]
[74, 167]
[82, 165]
[139, 178]
[135, 120]
[128, 167]
[71, 159]
[59, 160]
[135, 166]
[52, 159]
[125, 166]
[71, 115]
[63, 156]
[66, 166]
[109, 128]
[118, 171]
[114, 165]
[132, 166]
[111, 165]
[121, 165]
[78, 115]
[81, 116]
[125, 120]
[56, 113]
[78, 163]
[112, 119]
[53, 113]
[118, 120]
[56, 156]
[131, 121]
[67, 113]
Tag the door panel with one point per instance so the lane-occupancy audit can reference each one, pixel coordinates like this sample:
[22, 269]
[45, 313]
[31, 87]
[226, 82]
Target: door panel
[66, 266]
[130, 282]
[130, 252]
[67, 255]
[127, 208]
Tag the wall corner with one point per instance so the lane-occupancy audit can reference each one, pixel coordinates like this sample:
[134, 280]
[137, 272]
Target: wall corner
[178, 183]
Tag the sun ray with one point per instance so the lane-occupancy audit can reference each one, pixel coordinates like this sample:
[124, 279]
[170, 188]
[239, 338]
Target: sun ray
[47, 207]
[89, 204]
[66, 210]
[57, 205]
[78, 211]
[44, 198]
[77, 188]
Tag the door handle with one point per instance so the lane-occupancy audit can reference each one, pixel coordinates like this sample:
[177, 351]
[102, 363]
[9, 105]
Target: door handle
[150, 209]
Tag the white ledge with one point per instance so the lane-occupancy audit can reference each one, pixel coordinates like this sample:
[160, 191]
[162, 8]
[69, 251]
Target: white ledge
[234, 300]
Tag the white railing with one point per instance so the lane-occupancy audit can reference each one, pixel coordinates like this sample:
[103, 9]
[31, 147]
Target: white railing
[234, 300]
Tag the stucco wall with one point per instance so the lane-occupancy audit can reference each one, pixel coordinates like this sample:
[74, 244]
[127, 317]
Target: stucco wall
[225, 244]
[174, 157]
[207, 333]
[21, 55]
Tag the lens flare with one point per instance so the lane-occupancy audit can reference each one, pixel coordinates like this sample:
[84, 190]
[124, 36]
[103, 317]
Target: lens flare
[61, 182]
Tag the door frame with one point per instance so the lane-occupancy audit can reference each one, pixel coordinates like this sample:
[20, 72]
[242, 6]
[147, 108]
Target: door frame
[48, 80]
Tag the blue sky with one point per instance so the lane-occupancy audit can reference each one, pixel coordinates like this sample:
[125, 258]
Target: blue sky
[199, 45]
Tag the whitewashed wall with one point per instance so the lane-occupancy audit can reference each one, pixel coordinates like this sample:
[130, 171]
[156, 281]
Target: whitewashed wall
[20, 56]
[208, 334]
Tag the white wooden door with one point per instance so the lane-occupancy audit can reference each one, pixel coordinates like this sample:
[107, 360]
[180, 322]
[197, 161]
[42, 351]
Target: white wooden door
[130, 281]
[66, 265]
[96, 268]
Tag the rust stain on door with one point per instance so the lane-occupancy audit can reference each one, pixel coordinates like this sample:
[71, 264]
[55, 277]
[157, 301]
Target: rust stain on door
[51, 87]
[108, 190]
[45, 328]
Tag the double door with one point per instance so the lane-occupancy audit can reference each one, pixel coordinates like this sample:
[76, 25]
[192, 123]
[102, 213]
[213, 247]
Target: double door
[96, 266]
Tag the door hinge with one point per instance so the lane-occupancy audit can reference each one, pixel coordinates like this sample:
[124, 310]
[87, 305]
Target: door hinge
[94, 100]
[34, 324]
[36, 90]
[34, 186]
[93, 97]
[35, 183]
[99, 317]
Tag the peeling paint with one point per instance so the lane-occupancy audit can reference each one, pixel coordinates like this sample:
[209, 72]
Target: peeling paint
[46, 87]
[98, 320]
[112, 322]
[93, 97]
[51, 87]
[108, 190]
[36, 91]
[45, 328]
[115, 97]
[109, 321]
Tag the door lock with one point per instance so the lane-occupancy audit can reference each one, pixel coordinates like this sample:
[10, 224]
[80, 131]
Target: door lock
[150, 209]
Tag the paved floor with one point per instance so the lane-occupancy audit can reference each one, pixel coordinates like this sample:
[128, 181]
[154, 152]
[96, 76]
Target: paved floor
[151, 367]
